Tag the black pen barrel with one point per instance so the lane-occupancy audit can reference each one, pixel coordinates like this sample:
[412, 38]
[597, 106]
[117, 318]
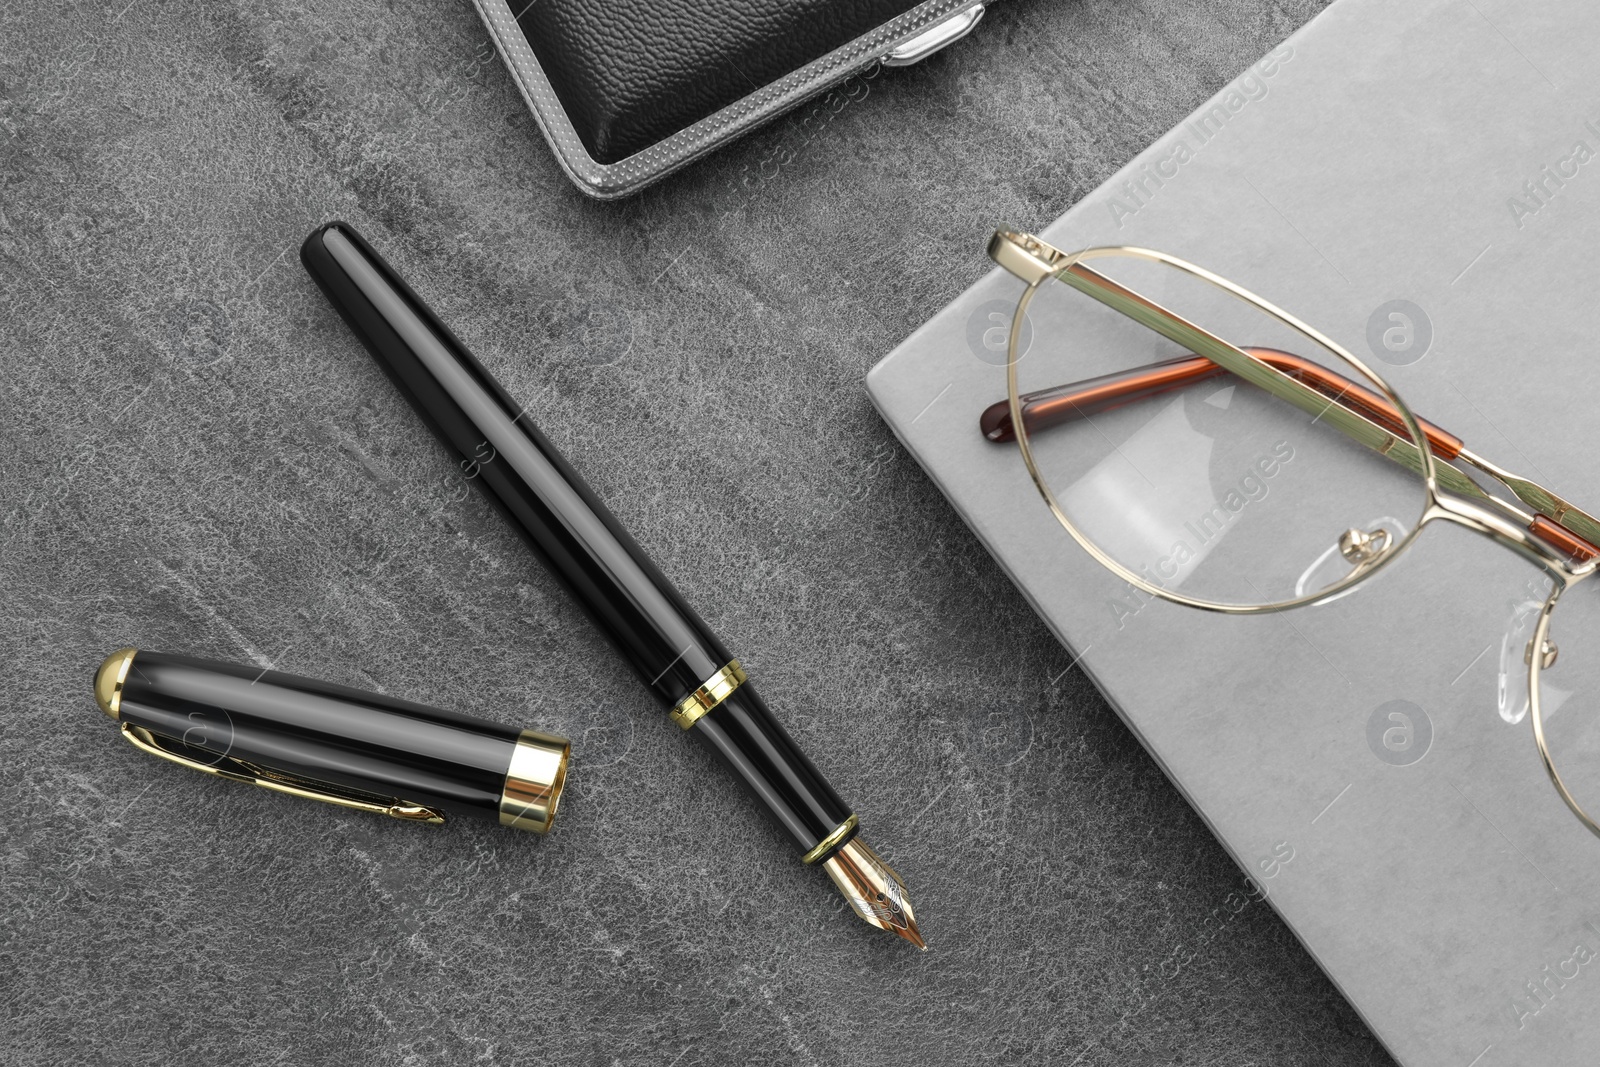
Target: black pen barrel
[497, 446]
[561, 518]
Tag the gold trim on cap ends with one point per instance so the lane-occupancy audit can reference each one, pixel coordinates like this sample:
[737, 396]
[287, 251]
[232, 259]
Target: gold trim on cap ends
[534, 781]
[692, 708]
[110, 678]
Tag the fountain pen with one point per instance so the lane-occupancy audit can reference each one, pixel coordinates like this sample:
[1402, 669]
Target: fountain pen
[560, 517]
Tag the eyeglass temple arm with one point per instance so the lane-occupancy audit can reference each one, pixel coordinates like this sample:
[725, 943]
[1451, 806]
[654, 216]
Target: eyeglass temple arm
[1094, 396]
[1359, 412]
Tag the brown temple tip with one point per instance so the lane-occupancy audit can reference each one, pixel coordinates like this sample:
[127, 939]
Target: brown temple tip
[995, 422]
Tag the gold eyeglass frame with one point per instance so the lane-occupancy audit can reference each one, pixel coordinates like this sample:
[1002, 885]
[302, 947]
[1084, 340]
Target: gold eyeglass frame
[1448, 493]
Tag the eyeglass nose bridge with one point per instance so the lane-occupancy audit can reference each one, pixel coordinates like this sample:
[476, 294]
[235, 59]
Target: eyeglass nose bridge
[1489, 522]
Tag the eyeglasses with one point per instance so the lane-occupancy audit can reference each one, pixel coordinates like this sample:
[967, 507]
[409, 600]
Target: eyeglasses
[1214, 451]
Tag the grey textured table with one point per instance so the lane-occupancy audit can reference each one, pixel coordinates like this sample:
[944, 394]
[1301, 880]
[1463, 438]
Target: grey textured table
[198, 457]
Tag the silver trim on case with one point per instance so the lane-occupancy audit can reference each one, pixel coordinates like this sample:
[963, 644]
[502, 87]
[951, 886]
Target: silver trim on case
[935, 37]
[608, 181]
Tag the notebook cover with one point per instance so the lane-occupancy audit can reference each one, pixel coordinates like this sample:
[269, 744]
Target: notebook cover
[1445, 153]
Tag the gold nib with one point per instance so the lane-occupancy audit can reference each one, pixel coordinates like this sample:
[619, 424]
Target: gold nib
[873, 889]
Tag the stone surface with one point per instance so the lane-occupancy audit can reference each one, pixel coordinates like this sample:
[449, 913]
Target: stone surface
[198, 457]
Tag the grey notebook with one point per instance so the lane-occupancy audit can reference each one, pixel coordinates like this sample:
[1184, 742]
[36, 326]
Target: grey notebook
[1439, 161]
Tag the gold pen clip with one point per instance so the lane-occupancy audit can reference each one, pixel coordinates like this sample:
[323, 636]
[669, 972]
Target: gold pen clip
[279, 782]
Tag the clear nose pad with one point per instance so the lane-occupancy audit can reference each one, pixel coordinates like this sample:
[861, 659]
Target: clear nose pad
[1357, 549]
[1516, 657]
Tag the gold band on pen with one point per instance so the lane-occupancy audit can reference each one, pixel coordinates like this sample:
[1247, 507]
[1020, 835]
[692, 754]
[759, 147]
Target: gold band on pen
[534, 780]
[693, 707]
[829, 843]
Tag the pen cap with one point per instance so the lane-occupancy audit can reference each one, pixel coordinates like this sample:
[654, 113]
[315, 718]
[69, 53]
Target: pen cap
[332, 743]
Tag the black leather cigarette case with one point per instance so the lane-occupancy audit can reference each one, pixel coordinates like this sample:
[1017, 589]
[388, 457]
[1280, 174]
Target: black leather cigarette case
[628, 90]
